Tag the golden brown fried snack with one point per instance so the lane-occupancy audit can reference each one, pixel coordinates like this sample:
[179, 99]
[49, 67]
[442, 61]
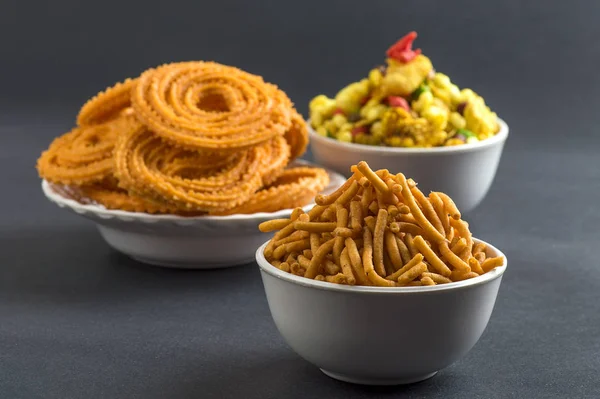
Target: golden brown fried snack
[293, 188]
[109, 195]
[297, 135]
[206, 106]
[186, 138]
[122, 200]
[106, 104]
[84, 155]
[275, 159]
[379, 229]
[190, 181]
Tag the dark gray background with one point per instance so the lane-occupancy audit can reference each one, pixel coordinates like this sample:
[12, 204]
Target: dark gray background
[79, 320]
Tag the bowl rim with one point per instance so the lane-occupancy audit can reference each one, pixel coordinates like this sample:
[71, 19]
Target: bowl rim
[485, 278]
[499, 137]
[104, 213]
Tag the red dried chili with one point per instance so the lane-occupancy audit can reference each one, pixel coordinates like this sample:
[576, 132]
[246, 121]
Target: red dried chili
[402, 50]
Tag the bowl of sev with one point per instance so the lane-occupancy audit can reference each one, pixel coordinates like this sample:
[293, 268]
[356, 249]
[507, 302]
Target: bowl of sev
[179, 165]
[379, 284]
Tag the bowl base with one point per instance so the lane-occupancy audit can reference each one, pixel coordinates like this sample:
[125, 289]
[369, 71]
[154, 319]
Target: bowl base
[378, 381]
[188, 265]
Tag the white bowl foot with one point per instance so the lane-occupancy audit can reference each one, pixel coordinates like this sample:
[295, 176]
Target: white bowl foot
[378, 381]
[188, 265]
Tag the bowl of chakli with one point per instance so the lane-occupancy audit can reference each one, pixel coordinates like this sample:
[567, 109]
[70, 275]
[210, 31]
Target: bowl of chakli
[379, 284]
[178, 167]
[405, 116]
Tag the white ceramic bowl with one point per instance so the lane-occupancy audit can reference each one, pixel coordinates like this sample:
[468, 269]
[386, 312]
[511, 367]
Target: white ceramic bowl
[202, 242]
[465, 173]
[378, 335]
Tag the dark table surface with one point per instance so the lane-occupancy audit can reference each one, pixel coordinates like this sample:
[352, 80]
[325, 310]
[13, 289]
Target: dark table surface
[79, 320]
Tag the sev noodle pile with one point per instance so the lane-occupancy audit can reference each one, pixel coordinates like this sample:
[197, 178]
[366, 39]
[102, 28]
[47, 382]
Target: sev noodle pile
[378, 229]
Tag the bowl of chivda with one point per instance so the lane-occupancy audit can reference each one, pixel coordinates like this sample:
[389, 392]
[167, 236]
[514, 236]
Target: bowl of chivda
[407, 116]
[379, 284]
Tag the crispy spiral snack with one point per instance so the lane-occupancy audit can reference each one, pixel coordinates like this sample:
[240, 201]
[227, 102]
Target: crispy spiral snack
[206, 106]
[189, 138]
[293, 188]
[113, 198]
[84, 155]
[107, 104]
[146, 166]
[276, 158]
[297, 136]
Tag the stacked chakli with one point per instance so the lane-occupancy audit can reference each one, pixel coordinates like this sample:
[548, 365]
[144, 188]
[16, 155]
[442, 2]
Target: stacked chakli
[186, 138]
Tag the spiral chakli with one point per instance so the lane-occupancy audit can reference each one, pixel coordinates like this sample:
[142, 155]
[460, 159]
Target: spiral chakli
[275, 159]
[112, 197]
[297, 135]
[293, 188]
[206, 106]
[190, 181]
[188, 138]
[84, 155]
[106, 104]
